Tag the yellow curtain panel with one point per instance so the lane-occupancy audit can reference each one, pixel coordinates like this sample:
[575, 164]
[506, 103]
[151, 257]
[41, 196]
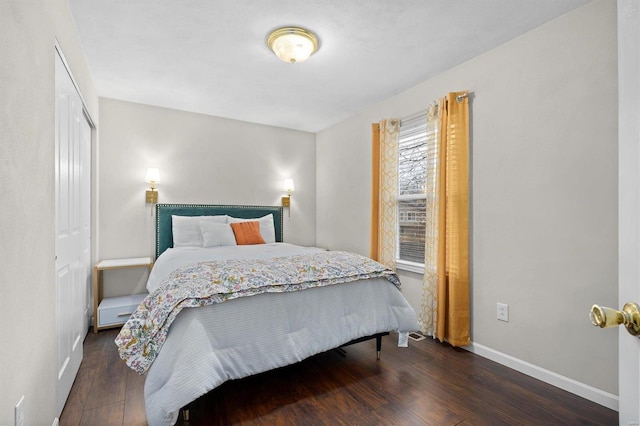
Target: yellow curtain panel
[452, 317]
[375, 189]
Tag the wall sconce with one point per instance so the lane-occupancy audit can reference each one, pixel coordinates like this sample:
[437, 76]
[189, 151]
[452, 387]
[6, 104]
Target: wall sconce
[286, 201]
[153, 177]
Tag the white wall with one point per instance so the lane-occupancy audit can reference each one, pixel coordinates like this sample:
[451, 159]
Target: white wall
[28, 345]
[202, 159]
[544, 190]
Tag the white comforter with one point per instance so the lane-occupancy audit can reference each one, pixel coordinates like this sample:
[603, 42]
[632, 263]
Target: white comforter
[176, 257]
[207, 346]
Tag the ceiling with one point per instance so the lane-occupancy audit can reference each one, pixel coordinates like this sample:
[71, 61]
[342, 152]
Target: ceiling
[211, 57]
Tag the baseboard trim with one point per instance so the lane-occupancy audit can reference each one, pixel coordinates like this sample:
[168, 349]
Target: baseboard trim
[577, 388]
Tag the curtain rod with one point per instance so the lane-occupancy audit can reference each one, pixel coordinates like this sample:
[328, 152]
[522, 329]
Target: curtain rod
[419, 114]
[459, 98]
[415, 115]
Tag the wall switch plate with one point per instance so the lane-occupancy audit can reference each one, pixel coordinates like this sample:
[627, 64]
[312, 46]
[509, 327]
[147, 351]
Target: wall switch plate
[503, 312]
[19, 419]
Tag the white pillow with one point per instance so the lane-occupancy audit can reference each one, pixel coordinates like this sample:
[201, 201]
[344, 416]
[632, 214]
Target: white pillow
[267, 229]
[217, 234]
[186, 229]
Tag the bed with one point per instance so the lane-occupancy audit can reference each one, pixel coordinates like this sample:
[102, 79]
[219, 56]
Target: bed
[276, 326]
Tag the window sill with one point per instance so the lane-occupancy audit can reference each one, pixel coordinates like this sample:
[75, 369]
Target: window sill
[417, 268]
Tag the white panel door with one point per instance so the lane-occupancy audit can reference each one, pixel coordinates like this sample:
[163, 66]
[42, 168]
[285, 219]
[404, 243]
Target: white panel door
[629, 202]
[85, 223]
[73, 246]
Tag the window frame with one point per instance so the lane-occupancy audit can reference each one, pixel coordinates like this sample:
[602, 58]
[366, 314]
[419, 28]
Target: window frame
[413, 126]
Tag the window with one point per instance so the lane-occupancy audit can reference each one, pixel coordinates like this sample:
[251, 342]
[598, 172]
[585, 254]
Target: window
[412, 171]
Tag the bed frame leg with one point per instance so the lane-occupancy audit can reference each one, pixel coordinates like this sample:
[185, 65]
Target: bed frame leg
[378, 346]
[185, 413]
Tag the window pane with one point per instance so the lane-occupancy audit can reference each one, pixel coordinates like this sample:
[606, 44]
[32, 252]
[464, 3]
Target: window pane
[412, 163]
[412, 171]
[411, 230]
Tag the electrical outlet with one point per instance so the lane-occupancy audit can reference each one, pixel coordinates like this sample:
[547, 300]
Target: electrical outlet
[19, 421]
[503, 312]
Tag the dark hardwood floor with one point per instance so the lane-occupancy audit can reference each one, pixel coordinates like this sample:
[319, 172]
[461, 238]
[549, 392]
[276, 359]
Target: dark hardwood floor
[425, 384]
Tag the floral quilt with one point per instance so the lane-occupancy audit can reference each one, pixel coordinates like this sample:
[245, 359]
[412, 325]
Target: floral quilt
[206, 283]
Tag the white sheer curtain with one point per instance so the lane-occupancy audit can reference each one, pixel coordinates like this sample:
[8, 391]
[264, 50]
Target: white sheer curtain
[387, 228]
[427, 314]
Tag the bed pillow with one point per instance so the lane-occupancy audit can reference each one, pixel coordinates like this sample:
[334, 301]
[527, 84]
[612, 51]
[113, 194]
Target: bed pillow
[247, 233]
[186, 229]
[267, 229]
[217, 234]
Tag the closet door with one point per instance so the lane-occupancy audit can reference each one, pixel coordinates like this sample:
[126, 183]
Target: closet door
[85, 223]
[73, 246]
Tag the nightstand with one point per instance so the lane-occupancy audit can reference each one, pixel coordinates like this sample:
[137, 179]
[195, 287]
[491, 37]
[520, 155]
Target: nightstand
[115, 311]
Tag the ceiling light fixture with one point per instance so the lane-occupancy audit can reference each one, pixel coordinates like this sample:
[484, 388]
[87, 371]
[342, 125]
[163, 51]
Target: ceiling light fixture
[292, 44]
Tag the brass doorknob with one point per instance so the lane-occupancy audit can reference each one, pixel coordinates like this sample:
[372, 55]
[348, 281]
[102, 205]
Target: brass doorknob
[607, 317]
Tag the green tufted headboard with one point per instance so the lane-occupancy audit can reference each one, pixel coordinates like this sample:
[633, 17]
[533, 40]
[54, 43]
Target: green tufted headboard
[164, 236]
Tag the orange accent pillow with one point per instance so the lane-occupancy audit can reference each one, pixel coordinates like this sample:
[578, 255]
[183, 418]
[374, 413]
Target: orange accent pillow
[247, 233]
